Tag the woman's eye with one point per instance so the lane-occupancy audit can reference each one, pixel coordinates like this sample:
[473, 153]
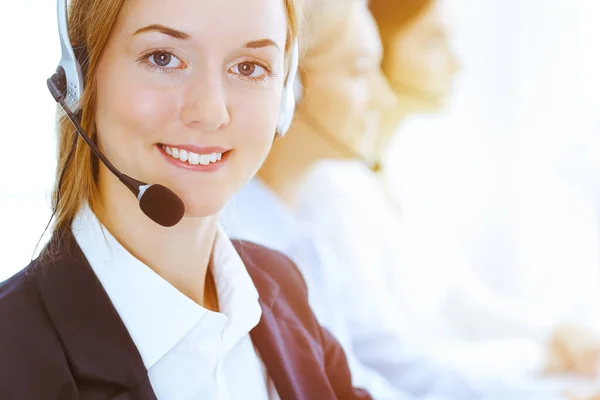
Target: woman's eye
[164, 60]
[249, 70]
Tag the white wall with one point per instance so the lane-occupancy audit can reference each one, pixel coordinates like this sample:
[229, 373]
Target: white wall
[31, 52]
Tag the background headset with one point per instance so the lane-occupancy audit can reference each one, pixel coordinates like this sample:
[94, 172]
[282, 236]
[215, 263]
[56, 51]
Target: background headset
[158, 202]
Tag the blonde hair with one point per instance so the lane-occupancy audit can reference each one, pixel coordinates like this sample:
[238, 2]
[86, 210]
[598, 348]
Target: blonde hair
[321, 24]
[90, 24]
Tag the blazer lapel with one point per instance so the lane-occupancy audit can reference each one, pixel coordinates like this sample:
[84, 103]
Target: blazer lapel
[288, 351]
[94, 336]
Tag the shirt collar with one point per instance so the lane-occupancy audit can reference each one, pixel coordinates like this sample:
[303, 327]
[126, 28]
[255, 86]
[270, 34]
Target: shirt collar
[156, 314]
[238, 297]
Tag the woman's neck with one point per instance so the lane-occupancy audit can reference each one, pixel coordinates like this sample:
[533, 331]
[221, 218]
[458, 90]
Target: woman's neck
[180, 254]
[292, 157]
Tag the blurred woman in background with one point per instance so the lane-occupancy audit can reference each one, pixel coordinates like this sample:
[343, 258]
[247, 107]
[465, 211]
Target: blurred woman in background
[345, 99]
[344, 194]
[420, 66]
[330, 171]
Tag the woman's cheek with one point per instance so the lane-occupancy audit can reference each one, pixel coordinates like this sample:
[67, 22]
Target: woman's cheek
[254, 121]
[151, 109]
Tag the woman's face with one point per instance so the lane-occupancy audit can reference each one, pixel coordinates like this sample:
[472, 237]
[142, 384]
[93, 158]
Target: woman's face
[188, 94]
[419, 61]
[346, 91]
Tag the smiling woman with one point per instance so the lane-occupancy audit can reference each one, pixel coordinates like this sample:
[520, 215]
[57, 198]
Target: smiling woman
[200, 71]
[190, 96]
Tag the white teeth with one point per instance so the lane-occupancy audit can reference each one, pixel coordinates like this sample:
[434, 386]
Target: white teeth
[205, 159]
[183, 155]
[192, 158]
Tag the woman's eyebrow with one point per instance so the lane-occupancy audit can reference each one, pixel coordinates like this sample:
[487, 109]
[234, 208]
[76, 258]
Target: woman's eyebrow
[164, 30]
[257, 44]
[254, 44]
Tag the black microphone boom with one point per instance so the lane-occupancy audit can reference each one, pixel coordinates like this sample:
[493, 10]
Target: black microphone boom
[159, 203]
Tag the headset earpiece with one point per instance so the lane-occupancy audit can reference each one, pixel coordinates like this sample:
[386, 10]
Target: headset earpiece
[288, 101]
[68, 65]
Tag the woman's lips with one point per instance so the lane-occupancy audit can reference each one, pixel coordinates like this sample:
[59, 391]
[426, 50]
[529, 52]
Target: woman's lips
[202, 159]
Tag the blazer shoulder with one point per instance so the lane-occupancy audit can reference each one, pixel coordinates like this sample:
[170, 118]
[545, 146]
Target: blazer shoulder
[33, 362]
[280, 285]
[18, 291]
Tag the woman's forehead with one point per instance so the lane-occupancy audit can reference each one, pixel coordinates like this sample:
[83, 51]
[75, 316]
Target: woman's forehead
[214, 20]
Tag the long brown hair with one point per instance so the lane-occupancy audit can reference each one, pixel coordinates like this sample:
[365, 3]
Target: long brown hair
[90, 24]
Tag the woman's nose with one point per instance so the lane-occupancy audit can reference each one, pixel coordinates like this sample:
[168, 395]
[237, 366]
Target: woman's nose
[205, 106]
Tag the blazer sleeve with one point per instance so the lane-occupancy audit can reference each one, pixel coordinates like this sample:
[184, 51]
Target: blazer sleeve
[293, 301]
[338, 370]
[336, 362]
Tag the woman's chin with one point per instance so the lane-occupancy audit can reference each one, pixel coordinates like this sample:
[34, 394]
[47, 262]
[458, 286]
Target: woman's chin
[204, 200]
[202, 209]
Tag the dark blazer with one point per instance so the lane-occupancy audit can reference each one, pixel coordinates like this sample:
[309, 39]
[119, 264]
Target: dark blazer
[61, 338]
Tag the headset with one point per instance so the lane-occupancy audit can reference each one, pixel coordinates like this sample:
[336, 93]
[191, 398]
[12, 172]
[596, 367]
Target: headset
[288, 97]
[156, 201]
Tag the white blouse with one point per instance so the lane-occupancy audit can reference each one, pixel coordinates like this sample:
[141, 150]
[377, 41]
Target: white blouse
[190, 352]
